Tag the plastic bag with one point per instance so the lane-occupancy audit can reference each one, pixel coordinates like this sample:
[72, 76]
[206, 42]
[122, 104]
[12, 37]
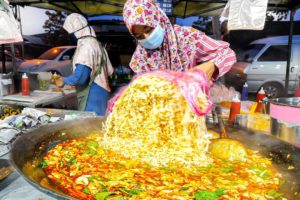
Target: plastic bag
[220, 93]
[189, 83]
[245, 14]
[10, 28]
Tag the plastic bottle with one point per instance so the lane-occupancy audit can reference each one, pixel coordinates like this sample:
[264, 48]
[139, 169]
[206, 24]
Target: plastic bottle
[235, 109]
[260, 95]
[25, 85]
[244, 96]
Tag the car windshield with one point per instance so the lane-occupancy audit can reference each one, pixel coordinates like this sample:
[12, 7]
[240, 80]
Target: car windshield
[251, 51]
[51, 54]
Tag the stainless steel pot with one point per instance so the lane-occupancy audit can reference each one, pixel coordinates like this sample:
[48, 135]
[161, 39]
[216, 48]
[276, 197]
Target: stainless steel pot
[34, 144]
[288, 127]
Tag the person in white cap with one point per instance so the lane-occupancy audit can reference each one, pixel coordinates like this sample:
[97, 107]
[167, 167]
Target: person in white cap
[91, 67]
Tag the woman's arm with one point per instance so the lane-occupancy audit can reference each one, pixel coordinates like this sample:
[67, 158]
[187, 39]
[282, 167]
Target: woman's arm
[214, 55]
[80, 76]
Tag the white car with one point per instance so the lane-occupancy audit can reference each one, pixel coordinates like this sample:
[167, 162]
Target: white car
[55, 60]
[265, 66]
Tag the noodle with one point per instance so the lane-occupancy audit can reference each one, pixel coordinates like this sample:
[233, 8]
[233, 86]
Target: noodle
[153, 123]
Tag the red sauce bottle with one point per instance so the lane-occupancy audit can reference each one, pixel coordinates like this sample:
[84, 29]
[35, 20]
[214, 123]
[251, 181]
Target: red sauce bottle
[25, 85]
[260, 95]
[235, 109]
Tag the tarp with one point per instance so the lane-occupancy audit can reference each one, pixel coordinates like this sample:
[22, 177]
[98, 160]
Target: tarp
[114, 7]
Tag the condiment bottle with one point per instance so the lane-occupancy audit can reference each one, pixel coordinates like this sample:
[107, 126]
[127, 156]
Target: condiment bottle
[244, 96]
[260, 95]
[25, 85]
[235, 109]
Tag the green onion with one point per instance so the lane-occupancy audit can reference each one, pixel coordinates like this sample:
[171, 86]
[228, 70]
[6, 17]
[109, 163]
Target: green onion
[208, 195]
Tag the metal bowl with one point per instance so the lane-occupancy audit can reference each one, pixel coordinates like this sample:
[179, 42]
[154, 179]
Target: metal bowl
[34, 144]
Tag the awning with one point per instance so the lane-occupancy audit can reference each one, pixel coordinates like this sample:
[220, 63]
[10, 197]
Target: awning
[181, 8]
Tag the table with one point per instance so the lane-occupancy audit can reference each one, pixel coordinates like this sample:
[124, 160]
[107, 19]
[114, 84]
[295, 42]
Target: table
[38, 98]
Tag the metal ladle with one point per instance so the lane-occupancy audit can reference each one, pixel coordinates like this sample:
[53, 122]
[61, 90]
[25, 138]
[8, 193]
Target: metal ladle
[224, 147]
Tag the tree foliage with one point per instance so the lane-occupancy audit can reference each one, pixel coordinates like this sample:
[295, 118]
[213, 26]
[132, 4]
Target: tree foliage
[55, 34]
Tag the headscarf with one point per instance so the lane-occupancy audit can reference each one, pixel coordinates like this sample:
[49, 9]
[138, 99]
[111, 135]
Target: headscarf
[88, 50]
[76, 23]
[146, 12]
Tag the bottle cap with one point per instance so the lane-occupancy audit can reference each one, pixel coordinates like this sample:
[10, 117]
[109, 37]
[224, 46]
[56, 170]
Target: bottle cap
[246, 85]
[236, 98]
[24, 75]
[261, 91]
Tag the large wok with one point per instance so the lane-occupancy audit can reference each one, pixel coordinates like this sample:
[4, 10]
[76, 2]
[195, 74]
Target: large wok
[35, 143]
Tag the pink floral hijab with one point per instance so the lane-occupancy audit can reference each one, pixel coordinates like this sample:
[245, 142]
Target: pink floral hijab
[146, 12]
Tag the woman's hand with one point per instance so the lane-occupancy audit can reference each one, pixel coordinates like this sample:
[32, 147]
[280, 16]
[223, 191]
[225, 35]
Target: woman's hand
[59, 82]
[208, 68]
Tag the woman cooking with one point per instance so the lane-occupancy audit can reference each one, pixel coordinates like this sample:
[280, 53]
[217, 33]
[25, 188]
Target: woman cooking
[162, 46]
[91, 67]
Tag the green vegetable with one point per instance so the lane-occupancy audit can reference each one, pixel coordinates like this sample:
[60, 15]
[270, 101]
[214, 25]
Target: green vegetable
[274, 193]
[168, 169]
[86, 191]
[117, 198]
[261, 172]
[44, 164]
[90, 178]
[206, 168]
[130, 192]
[208, 195]
[103, 195]
[93, 144]
[226, 169]
[184, 188]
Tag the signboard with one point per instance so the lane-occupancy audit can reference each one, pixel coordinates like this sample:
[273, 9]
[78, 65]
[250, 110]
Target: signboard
[166, 6]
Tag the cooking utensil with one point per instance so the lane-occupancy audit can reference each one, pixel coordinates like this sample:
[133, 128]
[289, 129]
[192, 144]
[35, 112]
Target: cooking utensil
[34, 144]
[285, 118]
[224, 147]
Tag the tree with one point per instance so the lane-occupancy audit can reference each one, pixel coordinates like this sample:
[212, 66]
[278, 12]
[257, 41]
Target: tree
[55, 34]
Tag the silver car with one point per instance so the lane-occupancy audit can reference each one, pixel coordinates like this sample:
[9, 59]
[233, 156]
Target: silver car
[264, 65]
[57, 59]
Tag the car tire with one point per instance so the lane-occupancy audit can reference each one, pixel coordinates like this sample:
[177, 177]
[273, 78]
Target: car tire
[273, 89]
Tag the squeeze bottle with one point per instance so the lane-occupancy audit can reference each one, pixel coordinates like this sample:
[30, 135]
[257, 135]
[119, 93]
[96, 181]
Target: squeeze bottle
[234, 109]
[245, 92]
[261, 94]
[25, 85]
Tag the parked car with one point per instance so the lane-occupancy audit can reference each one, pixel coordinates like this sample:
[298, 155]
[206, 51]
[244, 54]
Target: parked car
[9, 62]
[264, 65]
[57, 59]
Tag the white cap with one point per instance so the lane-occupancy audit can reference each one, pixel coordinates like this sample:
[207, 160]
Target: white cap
[236, 98]
[246, 85]
[261, 91]
[24, 75]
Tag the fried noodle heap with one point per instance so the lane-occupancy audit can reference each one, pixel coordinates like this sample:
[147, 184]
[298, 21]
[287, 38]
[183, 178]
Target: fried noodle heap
[153, 123]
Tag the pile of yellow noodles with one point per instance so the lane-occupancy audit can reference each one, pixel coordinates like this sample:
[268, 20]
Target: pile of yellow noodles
[152, 122]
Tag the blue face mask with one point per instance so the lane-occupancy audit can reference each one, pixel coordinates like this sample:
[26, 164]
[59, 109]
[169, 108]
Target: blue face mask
[155, 39]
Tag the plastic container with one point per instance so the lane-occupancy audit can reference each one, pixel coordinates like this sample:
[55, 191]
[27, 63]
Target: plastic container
[44, 79]
[244, 96]
[25, 85]
[235, 109]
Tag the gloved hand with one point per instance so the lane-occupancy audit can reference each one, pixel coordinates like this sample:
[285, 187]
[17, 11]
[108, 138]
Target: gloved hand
[58, 80]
